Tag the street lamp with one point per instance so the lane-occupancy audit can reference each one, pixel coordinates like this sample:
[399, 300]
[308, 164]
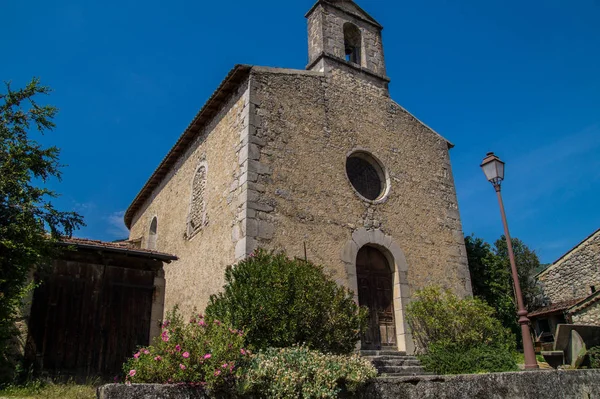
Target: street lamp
[493, 168]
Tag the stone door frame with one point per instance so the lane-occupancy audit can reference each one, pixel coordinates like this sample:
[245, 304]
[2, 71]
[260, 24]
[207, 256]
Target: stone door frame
[397, 261]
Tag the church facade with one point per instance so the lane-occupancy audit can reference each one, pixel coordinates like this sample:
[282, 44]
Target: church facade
[319, 163]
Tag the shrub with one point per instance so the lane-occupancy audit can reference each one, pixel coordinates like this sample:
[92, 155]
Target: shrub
[437, 316]
[299, 372]
[453, 359]
[279, 302]
[594, 355]
[456, 336]
[201, 351]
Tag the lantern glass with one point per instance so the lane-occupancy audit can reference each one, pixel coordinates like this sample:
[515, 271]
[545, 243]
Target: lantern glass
[493, 168]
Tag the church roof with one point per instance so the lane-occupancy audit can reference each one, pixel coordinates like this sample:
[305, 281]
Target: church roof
[350, 7]
[208, 111]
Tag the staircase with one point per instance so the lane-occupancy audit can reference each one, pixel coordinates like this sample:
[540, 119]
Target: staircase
[391, 363]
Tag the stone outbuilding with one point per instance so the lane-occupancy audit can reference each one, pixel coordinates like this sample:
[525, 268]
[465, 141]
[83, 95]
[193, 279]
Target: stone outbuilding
[572, 284]
[318, 162]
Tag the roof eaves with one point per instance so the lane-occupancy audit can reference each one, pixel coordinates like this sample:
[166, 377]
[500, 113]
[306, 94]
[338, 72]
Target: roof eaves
[123, 250]
[206, 113]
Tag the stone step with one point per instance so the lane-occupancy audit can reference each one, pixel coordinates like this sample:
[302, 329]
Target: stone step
[385, 358]
[395, 371]
[395, 362]
[382, 353]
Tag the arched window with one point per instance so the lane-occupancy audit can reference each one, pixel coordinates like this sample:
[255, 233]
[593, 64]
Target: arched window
[152, 233]
[197, 217]
[352, 43]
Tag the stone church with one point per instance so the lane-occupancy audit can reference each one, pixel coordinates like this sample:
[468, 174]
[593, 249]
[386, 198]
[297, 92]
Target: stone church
[319, 163]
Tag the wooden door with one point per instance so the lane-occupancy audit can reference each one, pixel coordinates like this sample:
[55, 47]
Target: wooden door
[375, 291]
[87, 319]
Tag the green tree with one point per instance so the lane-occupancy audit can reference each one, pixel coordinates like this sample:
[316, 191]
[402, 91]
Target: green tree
[279, 302]
[29, 224]
[527, 263]
[491, 277]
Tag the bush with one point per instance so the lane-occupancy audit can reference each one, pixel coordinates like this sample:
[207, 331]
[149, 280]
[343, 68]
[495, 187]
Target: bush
[456, 336]
[299, 372]
[279, 302]
[201, 351]
[594, 355]
[454, 359]
[437, 316]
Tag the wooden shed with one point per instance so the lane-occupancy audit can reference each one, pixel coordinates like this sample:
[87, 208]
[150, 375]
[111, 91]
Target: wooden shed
[97, 303]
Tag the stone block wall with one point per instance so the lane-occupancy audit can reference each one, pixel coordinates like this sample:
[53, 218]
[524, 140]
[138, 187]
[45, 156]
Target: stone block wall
[575, 384]
[221, 148]
[572, 276]
[306, 125]
[587, 314]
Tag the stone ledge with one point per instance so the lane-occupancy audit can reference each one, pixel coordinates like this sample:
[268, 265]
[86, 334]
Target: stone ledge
[564, 384]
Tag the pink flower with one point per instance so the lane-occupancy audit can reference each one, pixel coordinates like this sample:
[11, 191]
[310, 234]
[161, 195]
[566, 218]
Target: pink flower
[217, 322]
[186, 354]
[158, 358]
[181, 366]
[131, 373]
[243, 351]
[217, 372]
[166, 324]
[224, 365]
[165, 335]
[137, 355]
[178, 348]
[201, 323]
[146, 352]
[207, 356]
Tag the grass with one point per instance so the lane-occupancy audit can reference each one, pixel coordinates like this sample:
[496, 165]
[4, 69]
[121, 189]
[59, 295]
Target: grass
[520, 358]
[41, 390]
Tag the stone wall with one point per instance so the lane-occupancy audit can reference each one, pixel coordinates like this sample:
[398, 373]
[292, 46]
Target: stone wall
[307, 124]
[587, 314]
[572, 276]
[575, 384]
[221, 148]
[304, 125]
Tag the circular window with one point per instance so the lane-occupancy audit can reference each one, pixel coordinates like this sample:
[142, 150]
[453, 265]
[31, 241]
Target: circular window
[366, 175]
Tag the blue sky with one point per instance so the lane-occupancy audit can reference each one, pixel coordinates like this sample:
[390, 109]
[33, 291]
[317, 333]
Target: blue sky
[518, 78]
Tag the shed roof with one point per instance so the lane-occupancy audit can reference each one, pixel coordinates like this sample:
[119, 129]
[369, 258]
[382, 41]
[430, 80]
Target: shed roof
[555, 307]
[123, 247]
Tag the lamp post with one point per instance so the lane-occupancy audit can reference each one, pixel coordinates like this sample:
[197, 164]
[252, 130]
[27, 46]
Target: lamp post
[493, 168]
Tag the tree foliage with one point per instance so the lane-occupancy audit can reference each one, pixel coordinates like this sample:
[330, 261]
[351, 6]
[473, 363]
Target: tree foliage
[29, 224]
[279, 302]
[492, 282]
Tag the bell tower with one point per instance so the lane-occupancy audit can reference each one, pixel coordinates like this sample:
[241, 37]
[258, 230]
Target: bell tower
[342, 35]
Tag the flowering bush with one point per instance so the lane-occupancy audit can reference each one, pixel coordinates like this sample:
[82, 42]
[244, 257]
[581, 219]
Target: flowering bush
[280, 302]
[298, 372]
[205, 352]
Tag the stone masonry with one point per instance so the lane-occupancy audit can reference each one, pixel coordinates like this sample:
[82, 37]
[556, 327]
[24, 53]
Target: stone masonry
[574, 275]
[587, 312]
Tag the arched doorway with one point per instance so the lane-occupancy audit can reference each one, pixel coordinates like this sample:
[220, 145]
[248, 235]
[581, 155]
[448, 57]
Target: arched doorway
[375, 291]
